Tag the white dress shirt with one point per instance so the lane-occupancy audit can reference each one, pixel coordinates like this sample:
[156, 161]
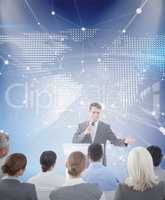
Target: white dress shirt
[94, 130]
[49, 179]
[45, 182]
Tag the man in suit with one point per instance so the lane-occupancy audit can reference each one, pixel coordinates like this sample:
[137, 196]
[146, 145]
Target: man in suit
[96, 131]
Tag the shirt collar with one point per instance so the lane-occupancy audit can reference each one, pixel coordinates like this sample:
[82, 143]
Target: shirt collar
[73, 181]
[157, 168]
[96, 123]
[93, 164]
[11, 177]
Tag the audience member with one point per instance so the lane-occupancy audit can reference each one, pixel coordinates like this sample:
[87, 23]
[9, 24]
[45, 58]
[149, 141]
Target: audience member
[75, 187]
[142, 183]
[11, 187]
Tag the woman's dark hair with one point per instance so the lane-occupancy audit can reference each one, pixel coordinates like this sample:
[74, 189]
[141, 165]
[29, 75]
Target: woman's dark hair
[76, 163]
[14, 163]
[47, 160]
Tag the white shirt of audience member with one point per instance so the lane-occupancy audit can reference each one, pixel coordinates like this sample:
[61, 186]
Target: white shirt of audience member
[49, 179]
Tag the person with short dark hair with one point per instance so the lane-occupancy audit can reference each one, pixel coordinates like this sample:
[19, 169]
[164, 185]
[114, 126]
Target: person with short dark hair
[96, 172]
[48, 179]
[95, 131]
[75, 187]
[48, 160]
[95, 152]
[4, 149]
[157, 156]
[10, 186]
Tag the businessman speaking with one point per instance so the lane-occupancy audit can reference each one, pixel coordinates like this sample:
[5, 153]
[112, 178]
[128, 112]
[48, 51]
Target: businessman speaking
[95, 131]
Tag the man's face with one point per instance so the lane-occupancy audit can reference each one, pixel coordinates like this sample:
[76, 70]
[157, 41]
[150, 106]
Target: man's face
[94, 114]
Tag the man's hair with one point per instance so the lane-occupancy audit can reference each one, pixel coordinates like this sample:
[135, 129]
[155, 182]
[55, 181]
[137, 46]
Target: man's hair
[156, 154]
[95, 104]
[4, 139]
[95, 152]
[47, 160]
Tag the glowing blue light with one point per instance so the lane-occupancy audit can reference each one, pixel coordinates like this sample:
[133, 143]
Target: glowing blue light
[83, 28]
[6, 62]
[53, 12]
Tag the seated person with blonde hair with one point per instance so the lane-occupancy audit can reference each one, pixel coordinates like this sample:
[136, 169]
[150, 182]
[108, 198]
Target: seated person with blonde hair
[142, 183]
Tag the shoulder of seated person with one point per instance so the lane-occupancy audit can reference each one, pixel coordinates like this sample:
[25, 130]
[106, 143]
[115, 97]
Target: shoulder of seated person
[123, 186]
[29, 186]
[94, 186]
[162, 184]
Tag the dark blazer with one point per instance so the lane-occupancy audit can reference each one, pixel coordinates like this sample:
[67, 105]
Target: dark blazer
[12, 189]
[126, 193]
[103, 133]
[84, 191]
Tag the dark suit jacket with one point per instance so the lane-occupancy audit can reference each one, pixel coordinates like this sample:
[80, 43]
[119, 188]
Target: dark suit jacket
[12, 189]
[84, 191]
[103, 133]
[127, 193]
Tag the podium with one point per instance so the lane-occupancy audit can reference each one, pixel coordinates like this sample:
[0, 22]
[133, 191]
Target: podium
[70, 148]
[117, 160]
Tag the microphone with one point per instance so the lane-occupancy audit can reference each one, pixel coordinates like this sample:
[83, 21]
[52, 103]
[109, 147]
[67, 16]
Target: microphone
[92, 123]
